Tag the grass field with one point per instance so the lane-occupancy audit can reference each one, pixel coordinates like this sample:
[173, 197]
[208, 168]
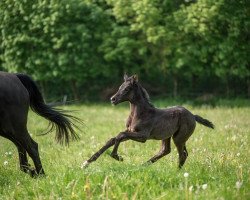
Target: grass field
[218, 165]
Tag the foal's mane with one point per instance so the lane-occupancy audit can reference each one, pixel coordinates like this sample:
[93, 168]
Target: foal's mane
[145, 94]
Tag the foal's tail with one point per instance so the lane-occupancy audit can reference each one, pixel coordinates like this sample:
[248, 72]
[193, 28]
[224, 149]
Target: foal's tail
[62, 122]
[203, 121]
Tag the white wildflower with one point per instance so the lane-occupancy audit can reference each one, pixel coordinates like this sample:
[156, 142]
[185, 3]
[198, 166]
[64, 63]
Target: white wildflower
[5, 163]
[10, 153]
[234, 138]
[204, 186]
[191, 188]
[181, 186]
[186, 174]
[238, 154]
[238, 184]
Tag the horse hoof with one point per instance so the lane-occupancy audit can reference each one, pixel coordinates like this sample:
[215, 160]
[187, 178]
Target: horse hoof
[147, 163]
[117, 157]
[32, 173]
[85, 164]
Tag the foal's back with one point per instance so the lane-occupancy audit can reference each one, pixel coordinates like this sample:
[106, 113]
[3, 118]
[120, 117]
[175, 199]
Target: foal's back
[168, 121]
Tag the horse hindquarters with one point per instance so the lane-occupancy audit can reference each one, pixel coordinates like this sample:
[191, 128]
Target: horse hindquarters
[186, 129]
[25, 143]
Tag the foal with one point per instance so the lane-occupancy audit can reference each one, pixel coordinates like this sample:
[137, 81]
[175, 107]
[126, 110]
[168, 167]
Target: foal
[147, 122]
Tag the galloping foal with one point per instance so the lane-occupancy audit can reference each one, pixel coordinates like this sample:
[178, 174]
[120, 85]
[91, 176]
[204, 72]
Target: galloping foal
[147, 122]
[17, 93]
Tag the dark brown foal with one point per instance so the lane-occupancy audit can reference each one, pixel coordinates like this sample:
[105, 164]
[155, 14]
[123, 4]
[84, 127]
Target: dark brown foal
[147, 122]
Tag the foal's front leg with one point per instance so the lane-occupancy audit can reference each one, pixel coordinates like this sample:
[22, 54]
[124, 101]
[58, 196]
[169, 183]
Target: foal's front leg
[139, 137]
[115, 141]
[110, 143]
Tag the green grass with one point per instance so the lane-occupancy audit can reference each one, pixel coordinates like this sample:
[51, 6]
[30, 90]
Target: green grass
[218, 158]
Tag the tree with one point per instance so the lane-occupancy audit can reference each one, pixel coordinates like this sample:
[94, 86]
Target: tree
[53, 39]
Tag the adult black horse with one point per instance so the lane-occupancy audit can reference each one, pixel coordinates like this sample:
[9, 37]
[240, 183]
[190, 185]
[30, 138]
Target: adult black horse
[17, 93]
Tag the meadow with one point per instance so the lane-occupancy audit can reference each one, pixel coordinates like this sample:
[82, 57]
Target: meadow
[218, 166]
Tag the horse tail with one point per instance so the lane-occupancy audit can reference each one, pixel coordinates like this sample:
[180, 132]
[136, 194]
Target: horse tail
[59, 120]
[203, 121]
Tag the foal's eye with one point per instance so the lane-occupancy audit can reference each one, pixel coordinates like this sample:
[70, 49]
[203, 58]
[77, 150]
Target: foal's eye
[126, 89]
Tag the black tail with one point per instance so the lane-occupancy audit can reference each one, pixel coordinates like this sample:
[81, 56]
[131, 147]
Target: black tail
[203, 121]
[60, 121]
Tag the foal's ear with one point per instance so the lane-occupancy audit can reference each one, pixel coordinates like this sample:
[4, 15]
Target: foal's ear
[135, 77]
[125, 76]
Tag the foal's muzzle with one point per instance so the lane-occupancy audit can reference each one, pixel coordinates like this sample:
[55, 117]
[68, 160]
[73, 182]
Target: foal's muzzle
[113, 100]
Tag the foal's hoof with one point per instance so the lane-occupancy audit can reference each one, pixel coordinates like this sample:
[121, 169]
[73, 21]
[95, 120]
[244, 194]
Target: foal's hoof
[85, 164]
[117, 157]
[147, 163]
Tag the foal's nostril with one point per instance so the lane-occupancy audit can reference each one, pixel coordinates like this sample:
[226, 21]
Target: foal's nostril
[112, 99]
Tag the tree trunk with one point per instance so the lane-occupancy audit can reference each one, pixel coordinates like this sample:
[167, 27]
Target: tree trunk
[75, 90]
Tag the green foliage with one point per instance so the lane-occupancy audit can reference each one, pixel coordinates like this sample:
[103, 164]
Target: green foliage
[91, 43]
[218, 158]
[52, 39]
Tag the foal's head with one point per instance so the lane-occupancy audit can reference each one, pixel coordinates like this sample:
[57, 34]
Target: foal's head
[128, 90]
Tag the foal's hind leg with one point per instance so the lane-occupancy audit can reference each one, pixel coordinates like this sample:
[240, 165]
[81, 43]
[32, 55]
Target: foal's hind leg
[180, 138]
[165, 149]
[180, 143]
[185, 150]
[183, 154]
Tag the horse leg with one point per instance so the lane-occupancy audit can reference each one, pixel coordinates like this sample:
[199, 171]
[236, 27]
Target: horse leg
[180, 138]
[32, 148]
[182, 154]
[114, 153]
[23, 160]
[93, 158]
[165, 149]
[185, 150]
[181, 148]
[122, 137]
[22, 154]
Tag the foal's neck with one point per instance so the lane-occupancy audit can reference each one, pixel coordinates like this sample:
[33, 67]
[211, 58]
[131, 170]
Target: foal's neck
[139, 104]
